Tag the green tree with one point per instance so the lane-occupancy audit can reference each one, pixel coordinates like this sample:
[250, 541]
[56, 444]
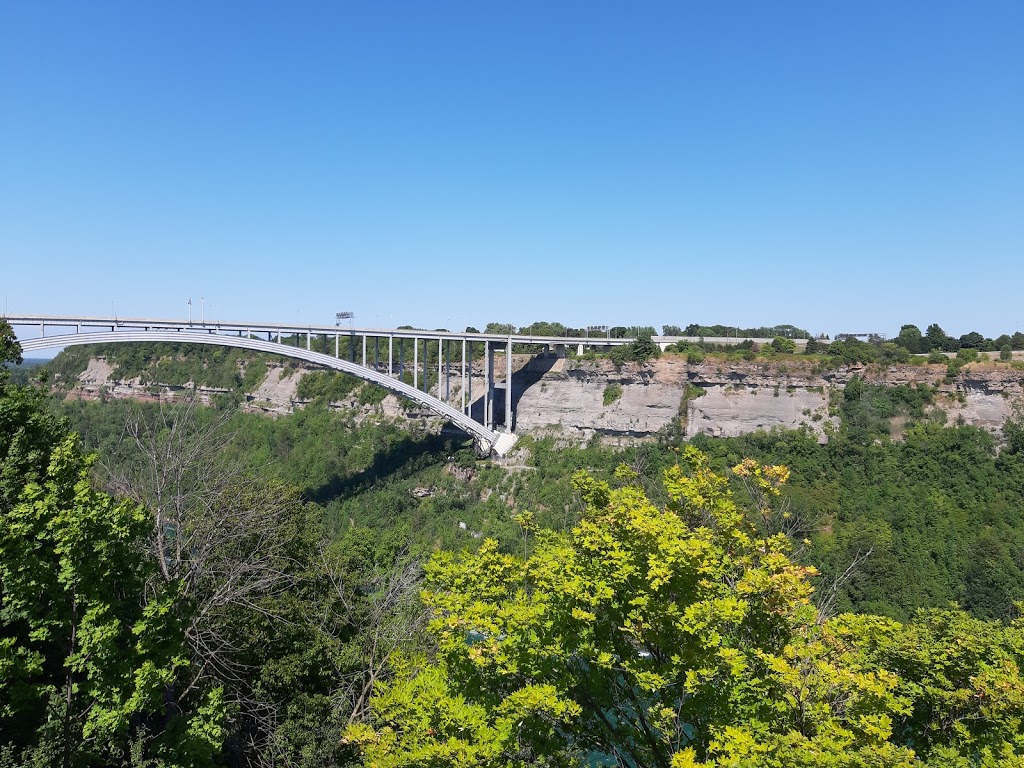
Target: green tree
[936, 338]
[783, 345]
[967, 354]
[639, 351]
[891, 352]
[541, 328]
[85, 665]
[910, 338]
[962, 679]
[10, 349]
[972, 340]
[85, 660]
[651, 636]
[28, 433]
[1013, 428]
[814, 347]
[993, 580]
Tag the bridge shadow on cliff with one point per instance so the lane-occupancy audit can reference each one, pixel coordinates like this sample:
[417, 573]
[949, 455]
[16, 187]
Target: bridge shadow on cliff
[522, 380]
[409, 455]
[399, 460]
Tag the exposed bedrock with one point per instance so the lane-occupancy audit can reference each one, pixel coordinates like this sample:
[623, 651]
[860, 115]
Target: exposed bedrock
[577, 399]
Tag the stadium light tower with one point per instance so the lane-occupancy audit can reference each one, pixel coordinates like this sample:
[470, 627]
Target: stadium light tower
[339, 316]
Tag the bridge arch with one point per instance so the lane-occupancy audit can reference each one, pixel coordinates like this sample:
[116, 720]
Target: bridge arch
[487, 440]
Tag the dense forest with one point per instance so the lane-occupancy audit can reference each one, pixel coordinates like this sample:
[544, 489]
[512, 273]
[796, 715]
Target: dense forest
[199, 586]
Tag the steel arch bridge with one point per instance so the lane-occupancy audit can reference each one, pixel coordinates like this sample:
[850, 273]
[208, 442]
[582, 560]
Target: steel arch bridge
[487, 440]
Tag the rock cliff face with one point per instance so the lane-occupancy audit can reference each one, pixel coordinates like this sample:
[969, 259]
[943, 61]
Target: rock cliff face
[568, 397]
[732, 399]
[275, 393]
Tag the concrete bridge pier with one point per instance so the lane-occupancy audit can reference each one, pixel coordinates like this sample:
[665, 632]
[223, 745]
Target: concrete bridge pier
[489, 386]
[492, 398]
[447, 369]
[467, 382]
[426, 364]
[440, 370]
[508, 386]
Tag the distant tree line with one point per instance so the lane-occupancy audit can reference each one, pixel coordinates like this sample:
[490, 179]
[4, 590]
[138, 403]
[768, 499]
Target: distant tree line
[935, 339]
[761, 332]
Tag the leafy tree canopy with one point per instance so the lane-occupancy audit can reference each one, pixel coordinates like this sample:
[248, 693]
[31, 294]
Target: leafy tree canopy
[84, 662]
[10, 349]
[679, 636]
[761, 332]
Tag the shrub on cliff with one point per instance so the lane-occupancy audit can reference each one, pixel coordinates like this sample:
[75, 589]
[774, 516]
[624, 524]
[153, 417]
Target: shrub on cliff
[784, 346]
[639, 351]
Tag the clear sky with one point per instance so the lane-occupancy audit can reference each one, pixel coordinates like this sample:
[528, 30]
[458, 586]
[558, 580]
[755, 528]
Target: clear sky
[839, 166]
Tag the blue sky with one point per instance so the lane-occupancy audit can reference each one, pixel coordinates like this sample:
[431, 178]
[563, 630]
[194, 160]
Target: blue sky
[839, 166]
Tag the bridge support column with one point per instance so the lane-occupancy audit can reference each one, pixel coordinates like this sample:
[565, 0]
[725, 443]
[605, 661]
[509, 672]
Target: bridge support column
[351, 348]
[401, 352]
[489, 387]
[466, 383]
[364, 350]
[336, 345]
[415, 363]
[307, 340]
[508, 386]
[439, 360]
[391, 355]
[483, 395]
[579, 350]
[447, 370]
[426, 365]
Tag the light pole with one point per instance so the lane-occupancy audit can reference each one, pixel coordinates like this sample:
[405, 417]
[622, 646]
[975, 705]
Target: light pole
[190, 310]
[202, 304]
